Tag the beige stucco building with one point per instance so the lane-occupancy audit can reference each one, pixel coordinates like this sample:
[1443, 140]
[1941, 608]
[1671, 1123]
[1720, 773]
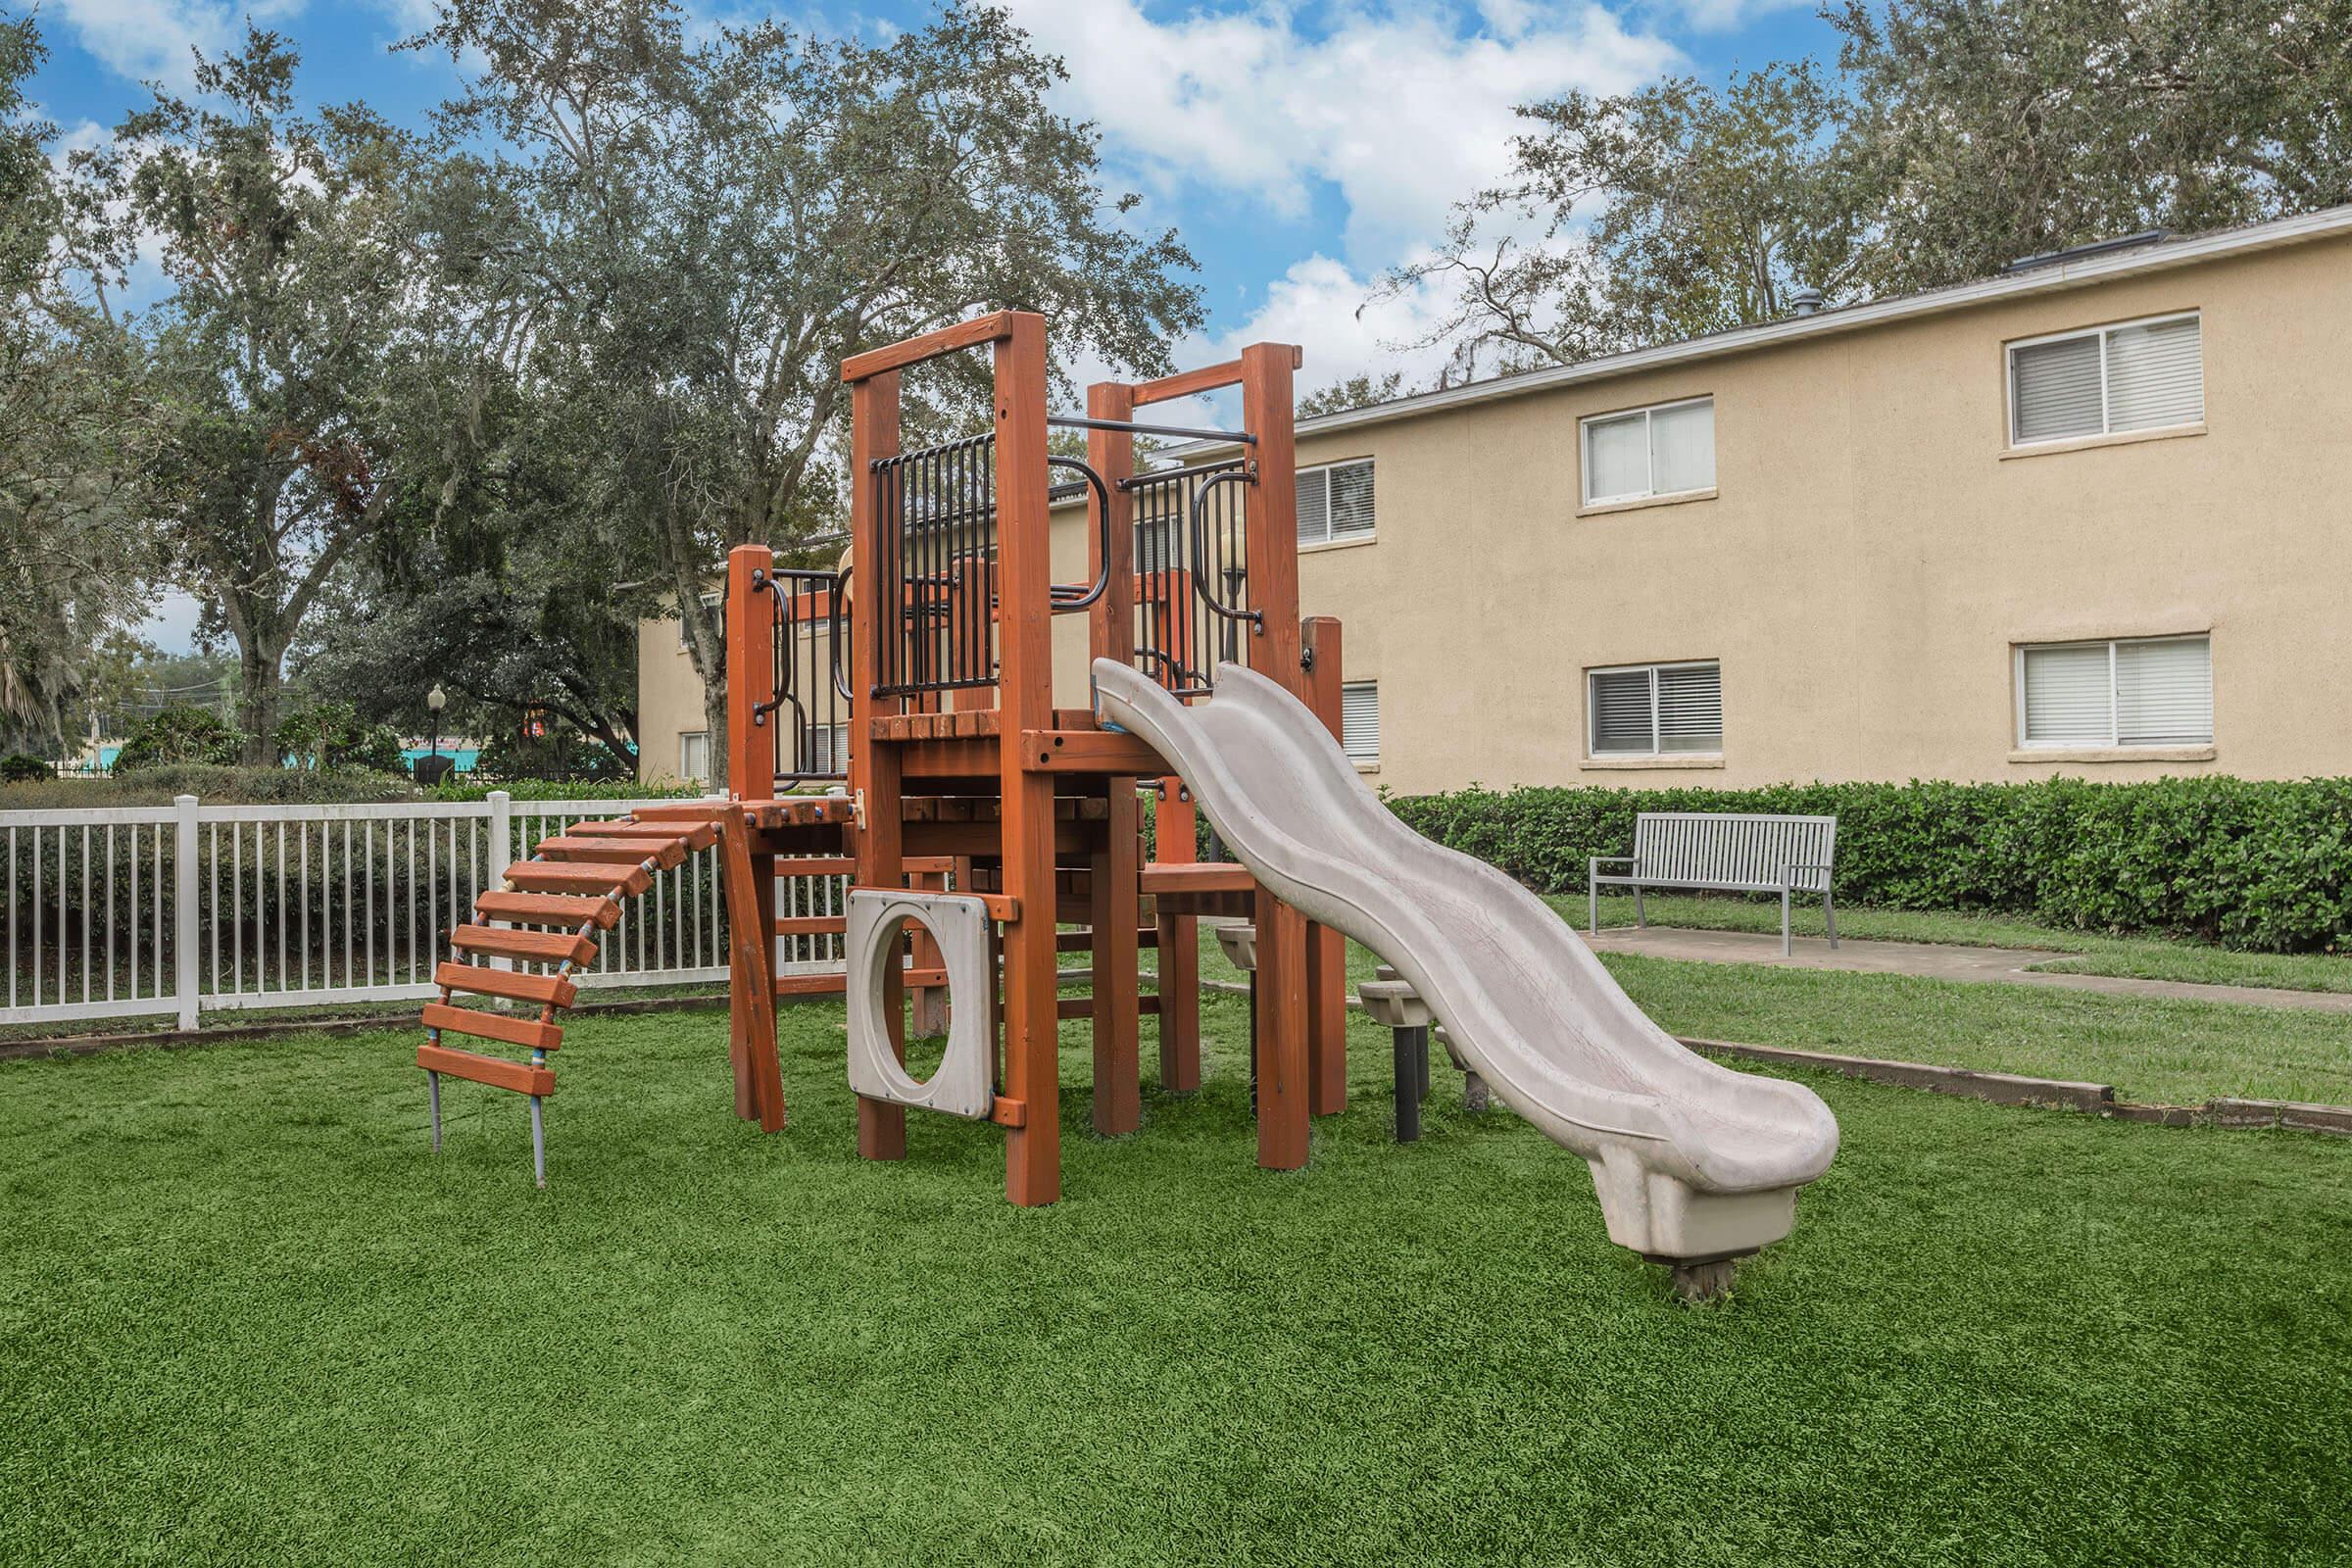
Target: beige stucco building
[2092, 516]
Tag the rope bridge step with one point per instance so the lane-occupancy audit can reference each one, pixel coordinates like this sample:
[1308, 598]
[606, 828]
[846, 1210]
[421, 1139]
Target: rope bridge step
[572, 885]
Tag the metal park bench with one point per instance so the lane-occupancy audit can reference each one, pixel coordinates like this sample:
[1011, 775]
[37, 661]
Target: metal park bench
[1723, 852]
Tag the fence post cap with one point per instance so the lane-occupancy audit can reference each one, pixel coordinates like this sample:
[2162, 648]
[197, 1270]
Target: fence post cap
[183, 800]
[500, 794]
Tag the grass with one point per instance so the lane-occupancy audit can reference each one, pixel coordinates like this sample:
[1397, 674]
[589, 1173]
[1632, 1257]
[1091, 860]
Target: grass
[2150, 1049]
[245, 1317]
[2085, 951]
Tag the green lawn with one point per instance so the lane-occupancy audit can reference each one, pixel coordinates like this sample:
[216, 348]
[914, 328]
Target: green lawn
[246, 1318]
[2087, 953]
[2150, 1049]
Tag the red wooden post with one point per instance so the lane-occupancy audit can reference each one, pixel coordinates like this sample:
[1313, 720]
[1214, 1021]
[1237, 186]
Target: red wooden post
[1025, 678]
[1283, 1096]
[1172, 834]
[751, 776]
[1110, 626]
[1326, 949]
[874, 769]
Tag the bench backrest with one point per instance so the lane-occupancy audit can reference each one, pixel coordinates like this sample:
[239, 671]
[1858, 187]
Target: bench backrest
[1728, 850]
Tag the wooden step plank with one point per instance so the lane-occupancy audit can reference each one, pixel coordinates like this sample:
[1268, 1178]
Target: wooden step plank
[589, 876]
[570, 910]
[496, 1071]
[663, 853]
[481, 1025]
[509, 941]
[697, 836]
[552, 989]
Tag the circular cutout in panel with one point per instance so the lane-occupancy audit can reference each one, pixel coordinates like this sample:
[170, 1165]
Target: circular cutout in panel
[960, 1082]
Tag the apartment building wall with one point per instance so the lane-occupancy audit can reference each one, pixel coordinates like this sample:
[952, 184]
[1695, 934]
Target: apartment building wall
[1872, 553]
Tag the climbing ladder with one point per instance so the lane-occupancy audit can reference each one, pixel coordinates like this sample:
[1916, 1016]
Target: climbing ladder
[546, 915]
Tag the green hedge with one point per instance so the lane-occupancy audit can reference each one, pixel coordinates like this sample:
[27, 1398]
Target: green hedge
[160, 783]
[2262, 865]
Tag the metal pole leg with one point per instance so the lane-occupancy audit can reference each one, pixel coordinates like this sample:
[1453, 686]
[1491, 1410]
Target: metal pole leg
[538, 1144]
[1421, 1059]
[1408, 1086]
[1253, 1042]
[432, 1090]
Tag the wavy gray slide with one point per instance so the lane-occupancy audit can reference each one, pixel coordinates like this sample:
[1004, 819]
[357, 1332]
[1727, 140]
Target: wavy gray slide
[1693, 1161]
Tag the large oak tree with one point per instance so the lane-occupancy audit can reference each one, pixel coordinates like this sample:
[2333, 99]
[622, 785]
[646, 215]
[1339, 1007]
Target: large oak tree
[717, 220]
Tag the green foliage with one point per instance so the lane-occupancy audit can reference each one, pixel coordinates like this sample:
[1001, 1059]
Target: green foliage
[17, 768]
[328, 735]
[564, 788]
[1657, 214]
[2260, 865]
[558, 755]
[215, 784]
[1959, 135]
[178, 735]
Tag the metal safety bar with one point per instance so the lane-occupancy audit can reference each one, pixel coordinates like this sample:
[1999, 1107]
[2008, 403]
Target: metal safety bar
[1072, 422]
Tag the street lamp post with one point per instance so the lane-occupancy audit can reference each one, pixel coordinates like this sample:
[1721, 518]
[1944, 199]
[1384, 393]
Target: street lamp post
[436, 700]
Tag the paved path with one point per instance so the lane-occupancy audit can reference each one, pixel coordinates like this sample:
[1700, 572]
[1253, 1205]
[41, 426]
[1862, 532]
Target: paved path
[1936, 961]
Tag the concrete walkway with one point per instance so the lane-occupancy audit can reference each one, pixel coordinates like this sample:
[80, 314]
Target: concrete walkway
[1936, 960]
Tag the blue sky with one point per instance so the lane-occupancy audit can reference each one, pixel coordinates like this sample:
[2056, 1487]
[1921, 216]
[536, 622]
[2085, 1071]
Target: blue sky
[1301, 149]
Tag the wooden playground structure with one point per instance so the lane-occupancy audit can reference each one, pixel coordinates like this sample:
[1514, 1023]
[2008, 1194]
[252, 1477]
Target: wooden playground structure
[895, 723]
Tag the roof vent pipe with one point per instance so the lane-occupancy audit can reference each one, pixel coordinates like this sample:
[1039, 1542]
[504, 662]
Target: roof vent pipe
[1806, 300]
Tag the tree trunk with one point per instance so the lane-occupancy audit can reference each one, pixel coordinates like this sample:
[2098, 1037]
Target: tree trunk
[260, 696]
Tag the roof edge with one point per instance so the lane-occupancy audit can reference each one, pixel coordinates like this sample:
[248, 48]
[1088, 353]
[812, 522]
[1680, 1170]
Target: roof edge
[2044, 278]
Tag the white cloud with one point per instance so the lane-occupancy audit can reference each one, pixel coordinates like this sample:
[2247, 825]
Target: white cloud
[1726, 16]
[1405, 110]
[157, 40]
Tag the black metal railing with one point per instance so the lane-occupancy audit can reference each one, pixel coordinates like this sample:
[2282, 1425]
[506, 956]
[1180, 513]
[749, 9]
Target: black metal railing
[1192, 566]
[807, 709]
[935, 512]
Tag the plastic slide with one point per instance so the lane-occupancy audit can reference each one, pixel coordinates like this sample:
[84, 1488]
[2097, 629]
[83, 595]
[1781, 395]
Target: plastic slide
[1693, 1161]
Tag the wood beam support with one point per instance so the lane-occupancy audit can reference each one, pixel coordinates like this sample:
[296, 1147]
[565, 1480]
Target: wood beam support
[873, 768]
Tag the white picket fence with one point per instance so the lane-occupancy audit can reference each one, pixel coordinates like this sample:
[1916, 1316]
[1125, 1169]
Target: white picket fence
[188, 908]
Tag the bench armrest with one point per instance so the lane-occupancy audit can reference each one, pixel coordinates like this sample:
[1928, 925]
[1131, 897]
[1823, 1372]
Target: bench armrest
[1598, 861]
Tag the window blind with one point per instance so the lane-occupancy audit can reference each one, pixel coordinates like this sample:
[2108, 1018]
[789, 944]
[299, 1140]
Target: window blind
[1336, 502]
[1621, 711]
[1690, 709]
[694, 756]
[2057, 390]
[1617, 458]
[2144, 692]
[2155, 375]
[2164, 693]
[2067, 698]
[1315, 506]
[1681, 448]
[1359, 720]
[1351, 500]
[2141, 375]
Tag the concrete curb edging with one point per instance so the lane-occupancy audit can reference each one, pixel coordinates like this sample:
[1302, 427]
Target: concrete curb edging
[2014, 1088]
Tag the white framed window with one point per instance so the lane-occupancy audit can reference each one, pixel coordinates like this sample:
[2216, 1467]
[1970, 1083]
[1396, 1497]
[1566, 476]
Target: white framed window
[709, 601]
[1335, 503]
[2130, 691]
[694, 756]
[828, 749]
[1654, 710]
[1665, 450]
[2106, 380]
[1359, 722]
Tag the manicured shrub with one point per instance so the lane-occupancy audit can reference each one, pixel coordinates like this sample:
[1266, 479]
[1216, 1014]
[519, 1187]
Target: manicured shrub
[328, 735]
[178, 735]
[2256, 864]
[17, 768]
